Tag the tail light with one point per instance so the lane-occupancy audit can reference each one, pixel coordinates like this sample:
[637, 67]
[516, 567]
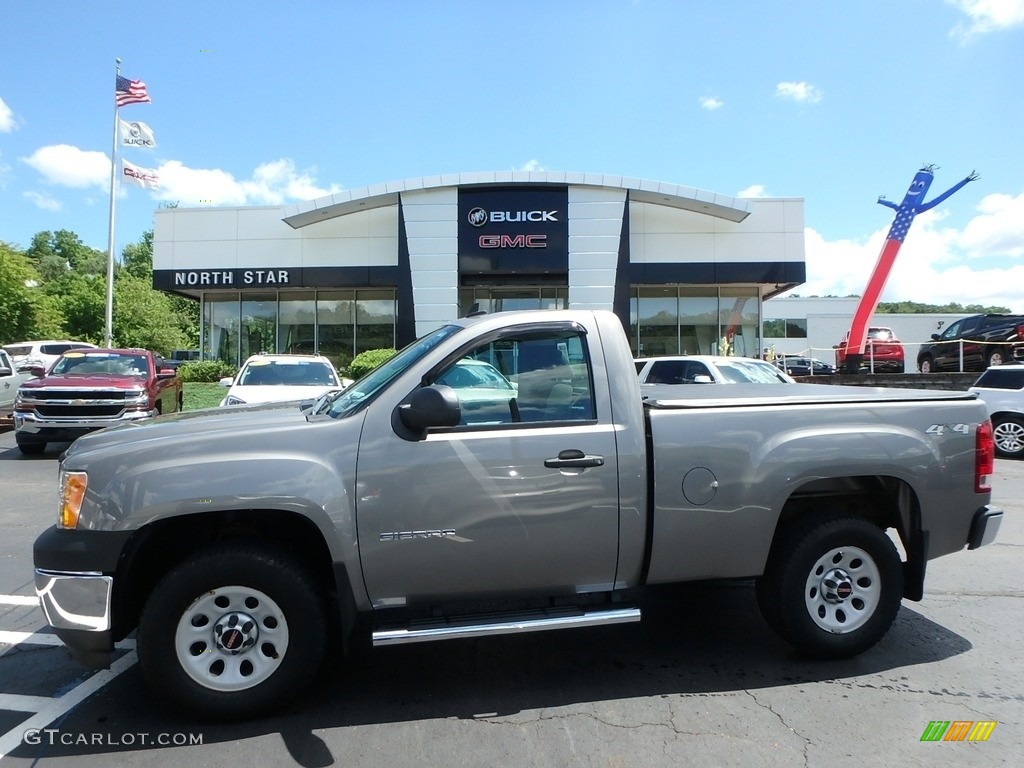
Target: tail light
[984, 457]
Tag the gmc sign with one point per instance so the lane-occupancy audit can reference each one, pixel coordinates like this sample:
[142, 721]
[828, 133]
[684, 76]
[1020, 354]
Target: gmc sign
[520, 230]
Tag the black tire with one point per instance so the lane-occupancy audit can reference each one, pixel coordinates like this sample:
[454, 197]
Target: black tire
[181, 403]
[832, 587]
[233, 632]
[1008, 433]
[31, 449]
[925, 365]
[995, 356]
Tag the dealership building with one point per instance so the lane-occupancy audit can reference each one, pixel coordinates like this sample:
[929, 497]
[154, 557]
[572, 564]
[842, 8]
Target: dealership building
[686, 270]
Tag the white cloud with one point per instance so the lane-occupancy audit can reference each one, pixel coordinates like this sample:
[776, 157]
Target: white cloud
[270, 184]
[935, 265]
[43, 200]
[70, 166]
[985, 16]
[999, 230]
[710, 103]
[7, 122]
[802, 92]
[754, 190]
[532, 165]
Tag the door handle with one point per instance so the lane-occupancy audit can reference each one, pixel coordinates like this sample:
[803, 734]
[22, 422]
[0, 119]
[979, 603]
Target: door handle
[574, 459]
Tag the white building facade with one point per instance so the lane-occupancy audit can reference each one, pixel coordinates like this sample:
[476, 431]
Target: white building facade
[685, 269]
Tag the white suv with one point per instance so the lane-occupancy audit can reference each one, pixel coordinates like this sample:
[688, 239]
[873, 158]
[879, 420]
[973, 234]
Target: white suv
[1002, 389]
[26, 354]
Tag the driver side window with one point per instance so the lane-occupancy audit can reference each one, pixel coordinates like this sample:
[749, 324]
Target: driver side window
[535, 377]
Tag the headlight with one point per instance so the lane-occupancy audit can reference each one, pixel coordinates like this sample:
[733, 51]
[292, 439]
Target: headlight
[232, 400]
[72, 493]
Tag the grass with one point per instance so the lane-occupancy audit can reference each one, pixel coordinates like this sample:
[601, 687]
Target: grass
[201, 394]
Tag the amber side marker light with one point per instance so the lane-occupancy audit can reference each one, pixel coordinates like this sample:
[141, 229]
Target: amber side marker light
[72, 492]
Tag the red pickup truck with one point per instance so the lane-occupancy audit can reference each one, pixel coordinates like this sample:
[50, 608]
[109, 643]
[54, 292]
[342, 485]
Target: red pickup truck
[89, 389]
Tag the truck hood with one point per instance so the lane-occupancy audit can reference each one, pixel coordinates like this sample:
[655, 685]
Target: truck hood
[89, 381]
[192, 427]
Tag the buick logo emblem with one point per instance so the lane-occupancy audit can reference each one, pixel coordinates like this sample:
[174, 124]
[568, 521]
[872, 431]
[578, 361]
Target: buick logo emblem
[477, 217]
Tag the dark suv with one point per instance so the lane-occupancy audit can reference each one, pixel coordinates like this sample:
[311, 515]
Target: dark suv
[981, 340]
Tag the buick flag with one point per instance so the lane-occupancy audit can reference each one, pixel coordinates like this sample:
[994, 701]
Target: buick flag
[136, 134]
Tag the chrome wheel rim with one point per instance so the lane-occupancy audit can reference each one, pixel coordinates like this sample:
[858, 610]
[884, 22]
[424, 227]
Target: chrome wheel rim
[843, 590]
[1009, 437]
[231, 638]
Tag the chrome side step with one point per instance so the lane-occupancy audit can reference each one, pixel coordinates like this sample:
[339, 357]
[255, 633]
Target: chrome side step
[503, 624]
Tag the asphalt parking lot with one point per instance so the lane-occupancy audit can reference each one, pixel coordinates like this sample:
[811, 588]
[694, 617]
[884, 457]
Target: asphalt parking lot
[702, 681]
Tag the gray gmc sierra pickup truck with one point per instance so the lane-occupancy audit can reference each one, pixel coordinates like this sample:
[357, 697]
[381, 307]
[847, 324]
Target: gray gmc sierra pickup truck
[501, 474]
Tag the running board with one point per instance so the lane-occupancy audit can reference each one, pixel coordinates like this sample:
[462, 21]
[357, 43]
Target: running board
[424, 631]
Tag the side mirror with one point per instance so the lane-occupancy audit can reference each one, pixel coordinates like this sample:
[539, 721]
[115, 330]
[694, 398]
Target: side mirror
[166, 373]
[433, 406]
[935, 337]
[226, 381]
[38, 371]
[703, 378]
[6, 372]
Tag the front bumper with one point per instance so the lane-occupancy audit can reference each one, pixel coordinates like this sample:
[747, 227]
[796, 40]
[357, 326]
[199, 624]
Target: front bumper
[984, 526]
[31, 427]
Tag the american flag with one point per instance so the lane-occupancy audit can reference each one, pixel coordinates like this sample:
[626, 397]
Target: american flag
[130, 91]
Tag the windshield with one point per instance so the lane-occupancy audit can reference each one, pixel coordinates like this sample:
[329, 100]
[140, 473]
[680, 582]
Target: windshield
[101, 364]
[353, 397]
[287, 373]
[751, 371]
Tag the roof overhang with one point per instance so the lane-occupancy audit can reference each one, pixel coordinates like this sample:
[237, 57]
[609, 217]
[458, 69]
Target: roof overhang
[639, 190]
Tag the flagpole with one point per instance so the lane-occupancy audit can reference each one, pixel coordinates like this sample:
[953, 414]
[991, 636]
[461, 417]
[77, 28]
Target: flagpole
[108, 327]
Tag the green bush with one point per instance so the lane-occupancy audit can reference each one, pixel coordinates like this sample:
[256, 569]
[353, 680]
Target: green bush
[366, 361]
[205, 370]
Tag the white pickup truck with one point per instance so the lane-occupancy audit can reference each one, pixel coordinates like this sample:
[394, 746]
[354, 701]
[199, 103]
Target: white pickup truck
[10, 380]
[500, 474]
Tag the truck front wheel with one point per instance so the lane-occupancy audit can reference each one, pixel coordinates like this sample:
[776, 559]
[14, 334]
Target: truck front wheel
[232, 632]
[832, 588]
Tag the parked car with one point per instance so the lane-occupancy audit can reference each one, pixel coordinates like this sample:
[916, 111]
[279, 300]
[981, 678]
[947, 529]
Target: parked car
[883, 352]
[1002, 389]
[180, 356]
[708, 369]
[796, 365]
[89, 389]
[974, 343]
[280, 378]
[29, 354]
[10, 380]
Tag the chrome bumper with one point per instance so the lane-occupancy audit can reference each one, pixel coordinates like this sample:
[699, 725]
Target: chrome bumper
[75, 600]
[33, 423]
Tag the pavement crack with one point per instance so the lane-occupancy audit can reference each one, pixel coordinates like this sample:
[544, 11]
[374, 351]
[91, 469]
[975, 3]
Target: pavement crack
[806, 741]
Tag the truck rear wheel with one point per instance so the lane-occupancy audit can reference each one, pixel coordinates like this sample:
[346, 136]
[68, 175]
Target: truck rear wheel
[832, 588]
[232, 632]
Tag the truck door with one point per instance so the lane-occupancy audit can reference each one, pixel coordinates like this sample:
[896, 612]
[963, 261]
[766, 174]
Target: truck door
[521, 497]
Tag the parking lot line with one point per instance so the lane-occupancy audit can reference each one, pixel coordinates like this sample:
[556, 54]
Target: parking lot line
[10, 637]
[54, 708]
[19, 600]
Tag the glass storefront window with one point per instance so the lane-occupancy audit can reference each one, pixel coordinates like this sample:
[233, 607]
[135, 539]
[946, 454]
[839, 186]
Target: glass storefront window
[702, 320]
[220, 327]
[375, 320]
[504, 299]
[259, 324]
[335, 317]
[296, 329]
[657, 322]
[738, 320]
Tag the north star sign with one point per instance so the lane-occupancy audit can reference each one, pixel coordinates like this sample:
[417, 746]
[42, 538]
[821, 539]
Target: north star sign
[191, 278]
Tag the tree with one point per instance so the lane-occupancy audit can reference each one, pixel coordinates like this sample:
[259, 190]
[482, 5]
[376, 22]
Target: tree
[144, 317]
[56, 252]
[25, 310]
[82, 300]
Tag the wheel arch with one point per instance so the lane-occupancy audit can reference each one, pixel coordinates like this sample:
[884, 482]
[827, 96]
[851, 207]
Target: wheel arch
[159, 546]
[884, 500]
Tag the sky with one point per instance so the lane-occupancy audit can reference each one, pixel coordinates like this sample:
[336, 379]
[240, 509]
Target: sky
[270, 102]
